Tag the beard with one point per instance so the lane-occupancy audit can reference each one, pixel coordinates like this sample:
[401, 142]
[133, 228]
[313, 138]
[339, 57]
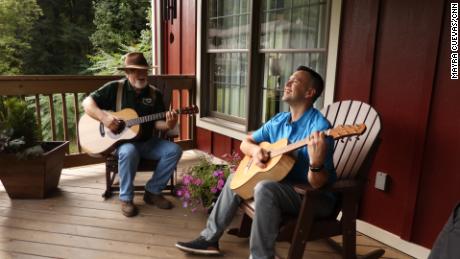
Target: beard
[139, 84]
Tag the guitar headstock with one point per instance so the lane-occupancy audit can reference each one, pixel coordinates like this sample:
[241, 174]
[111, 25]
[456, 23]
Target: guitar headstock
[346, 131]
[189, 110]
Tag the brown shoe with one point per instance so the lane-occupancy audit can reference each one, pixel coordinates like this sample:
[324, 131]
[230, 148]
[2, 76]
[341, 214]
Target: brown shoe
[157, 200]
[128, 208]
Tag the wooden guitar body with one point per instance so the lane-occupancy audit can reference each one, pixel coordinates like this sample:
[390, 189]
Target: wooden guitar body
[248, 174]
[97, 140]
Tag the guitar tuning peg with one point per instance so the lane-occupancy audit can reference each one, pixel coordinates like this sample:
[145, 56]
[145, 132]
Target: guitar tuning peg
[342, 141]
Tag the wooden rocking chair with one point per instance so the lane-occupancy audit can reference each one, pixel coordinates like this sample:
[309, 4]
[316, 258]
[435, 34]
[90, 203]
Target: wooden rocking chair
[351, 160]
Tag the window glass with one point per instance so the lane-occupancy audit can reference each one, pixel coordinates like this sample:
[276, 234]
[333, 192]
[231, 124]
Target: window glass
[228, 34]
[293, 33]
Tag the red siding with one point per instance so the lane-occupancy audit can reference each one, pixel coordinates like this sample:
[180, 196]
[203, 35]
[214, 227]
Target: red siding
[179, 48]
[180, 38]
[398, 78]
[172, 43]
[358, 32]
[439, 185]
[236, 146]
[221, 145]
[204, 139]
[188, 44]
[401, 93]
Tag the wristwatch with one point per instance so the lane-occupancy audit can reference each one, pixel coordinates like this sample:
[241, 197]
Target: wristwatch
[316, 169]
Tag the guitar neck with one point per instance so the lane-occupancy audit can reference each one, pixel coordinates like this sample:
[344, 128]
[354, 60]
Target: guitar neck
[293, 146]
[147, 118]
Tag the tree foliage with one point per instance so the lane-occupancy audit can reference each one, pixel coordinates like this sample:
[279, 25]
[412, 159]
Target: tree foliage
[127, 31]
[118, 23]
[70, 37]
[60, 39]
[17, 19]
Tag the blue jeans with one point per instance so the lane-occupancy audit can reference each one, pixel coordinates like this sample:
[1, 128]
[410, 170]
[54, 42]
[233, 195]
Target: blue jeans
[165, 152]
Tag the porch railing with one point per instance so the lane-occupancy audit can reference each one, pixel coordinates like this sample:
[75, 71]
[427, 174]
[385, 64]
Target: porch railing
[57, 102]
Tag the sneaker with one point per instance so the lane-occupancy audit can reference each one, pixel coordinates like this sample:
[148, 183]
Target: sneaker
[199, 246]
[128, 208]
[157, 200]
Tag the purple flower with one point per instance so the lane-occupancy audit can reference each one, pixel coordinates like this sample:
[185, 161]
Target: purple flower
[218, 173]
[197, 182]
[185, 204]
[187, 195]
[179, 193]
[187, 179]
[220, 184]
[214, 190]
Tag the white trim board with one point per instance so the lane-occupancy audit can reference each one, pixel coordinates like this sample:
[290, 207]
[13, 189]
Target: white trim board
[333, 47]
[392, 240]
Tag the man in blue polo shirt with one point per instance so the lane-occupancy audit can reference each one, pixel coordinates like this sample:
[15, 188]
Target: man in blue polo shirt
[313, 165]
[137, 94]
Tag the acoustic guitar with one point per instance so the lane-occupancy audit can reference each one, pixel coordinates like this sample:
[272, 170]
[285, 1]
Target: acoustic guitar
[248, 174]
[98, 140]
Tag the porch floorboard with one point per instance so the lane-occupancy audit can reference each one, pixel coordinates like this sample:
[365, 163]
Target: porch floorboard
[77, 223]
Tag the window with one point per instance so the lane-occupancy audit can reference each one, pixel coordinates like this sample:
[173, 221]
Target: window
[227, 48]
[247, 56]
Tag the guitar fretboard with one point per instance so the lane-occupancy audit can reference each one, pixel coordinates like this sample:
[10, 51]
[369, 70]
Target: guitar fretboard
[147, 118]
[294, 146]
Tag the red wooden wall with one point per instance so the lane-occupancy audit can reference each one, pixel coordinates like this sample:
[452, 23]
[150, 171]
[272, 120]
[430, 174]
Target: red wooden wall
[439, 188]
[394, 55]
[403, 60]
[180, 51]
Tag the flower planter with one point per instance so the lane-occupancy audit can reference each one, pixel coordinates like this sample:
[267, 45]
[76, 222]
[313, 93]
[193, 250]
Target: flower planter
[36, 177]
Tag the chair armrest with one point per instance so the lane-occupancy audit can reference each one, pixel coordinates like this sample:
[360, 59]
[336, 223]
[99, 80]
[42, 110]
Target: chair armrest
[173, 133]
[170, 134]
[338, 187]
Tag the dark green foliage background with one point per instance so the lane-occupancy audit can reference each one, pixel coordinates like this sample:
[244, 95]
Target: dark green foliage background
[69, 37]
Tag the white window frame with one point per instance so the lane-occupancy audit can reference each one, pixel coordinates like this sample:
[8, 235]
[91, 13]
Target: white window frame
[238, 131]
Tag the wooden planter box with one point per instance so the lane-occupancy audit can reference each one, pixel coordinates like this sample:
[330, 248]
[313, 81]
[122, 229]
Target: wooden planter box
[33, 178]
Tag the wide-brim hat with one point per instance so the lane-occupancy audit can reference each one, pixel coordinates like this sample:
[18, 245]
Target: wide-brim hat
[135, 60]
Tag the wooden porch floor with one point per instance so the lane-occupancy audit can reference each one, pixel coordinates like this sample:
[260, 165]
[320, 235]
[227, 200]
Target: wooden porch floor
[77, 223]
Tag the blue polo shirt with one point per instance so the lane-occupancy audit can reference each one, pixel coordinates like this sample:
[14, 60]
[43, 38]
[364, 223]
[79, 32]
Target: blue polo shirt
[280, 127]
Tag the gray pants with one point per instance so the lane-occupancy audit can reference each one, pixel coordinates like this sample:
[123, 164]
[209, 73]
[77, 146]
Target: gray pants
[447, 243]
[271, 200]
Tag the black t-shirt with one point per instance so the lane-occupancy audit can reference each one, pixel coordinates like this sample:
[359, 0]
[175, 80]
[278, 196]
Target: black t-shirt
[149, 101]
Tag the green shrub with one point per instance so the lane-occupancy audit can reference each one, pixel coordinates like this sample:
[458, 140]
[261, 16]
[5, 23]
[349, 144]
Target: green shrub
[19, 132]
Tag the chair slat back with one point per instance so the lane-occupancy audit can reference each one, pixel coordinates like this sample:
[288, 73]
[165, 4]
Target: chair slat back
[164, 89]
[350, 153]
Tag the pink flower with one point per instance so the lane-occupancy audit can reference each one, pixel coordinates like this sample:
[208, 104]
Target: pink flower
[179, 193]
[187, 179]
[220, 184]
[185, 204]
[197, 181]
[214, 190]
[218, 173]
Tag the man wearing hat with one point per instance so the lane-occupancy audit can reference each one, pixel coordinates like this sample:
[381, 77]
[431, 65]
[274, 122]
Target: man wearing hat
[145, 99]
